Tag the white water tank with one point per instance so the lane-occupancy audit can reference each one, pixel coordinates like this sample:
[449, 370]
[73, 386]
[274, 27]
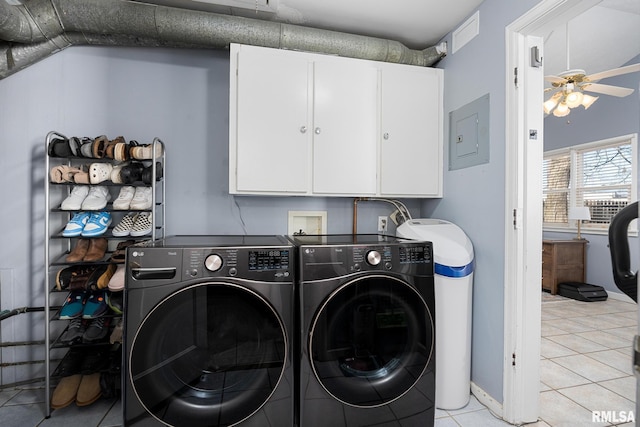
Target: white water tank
[454, 264]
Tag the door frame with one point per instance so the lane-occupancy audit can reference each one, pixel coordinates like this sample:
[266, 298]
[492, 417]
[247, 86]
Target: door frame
[523, 207]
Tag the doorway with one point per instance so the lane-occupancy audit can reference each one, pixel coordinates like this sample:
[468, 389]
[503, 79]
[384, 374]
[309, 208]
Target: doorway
[524, 127]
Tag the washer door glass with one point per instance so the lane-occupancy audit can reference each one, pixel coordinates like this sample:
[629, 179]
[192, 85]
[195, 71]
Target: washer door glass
[371, 340]
[211, 354]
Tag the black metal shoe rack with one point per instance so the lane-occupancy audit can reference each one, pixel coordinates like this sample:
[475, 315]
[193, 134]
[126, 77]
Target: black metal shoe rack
[59, 355]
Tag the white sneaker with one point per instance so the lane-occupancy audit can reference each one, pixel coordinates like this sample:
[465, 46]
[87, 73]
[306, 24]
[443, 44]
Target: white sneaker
[124, 198]
[143, 225]
[97, 198]
[141, 199]
[74, 201]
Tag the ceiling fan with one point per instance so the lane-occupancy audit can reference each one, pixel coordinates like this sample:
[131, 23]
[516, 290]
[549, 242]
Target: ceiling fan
[569, 87]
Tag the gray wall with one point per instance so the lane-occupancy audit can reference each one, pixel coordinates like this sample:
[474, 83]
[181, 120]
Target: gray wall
[608, 117]
[474, 198]
[178, 95]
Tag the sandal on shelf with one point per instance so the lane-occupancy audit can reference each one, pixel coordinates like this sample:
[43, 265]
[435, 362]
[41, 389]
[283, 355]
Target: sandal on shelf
[59, 147]
[86, 148]
[118, 255]
[109, 150]
[147, 173]
[122, 150]
[131, 173]
[99, 147]
[100, 172]
[63, 173]
[146, 151]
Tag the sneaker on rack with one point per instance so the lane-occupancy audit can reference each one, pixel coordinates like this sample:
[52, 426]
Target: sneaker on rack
[97, 224]
[124, 198]
[143, 225]
[77, 223]
[96, 305]
[74, 201]
[73, 334]
[142, 199]
[73, 306]
[96, 199]
[125, 225]
[97, 330]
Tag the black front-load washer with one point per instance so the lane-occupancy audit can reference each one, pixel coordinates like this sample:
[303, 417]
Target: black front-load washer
[367, 314]
[208, 327]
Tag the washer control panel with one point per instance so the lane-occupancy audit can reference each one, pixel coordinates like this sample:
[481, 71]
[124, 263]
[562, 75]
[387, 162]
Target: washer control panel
[265, 264]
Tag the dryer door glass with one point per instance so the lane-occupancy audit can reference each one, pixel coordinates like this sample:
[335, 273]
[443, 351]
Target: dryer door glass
[211, 354]
[371, 341]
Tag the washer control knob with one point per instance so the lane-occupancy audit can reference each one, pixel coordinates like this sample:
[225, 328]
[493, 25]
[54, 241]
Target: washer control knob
[213, 262]
[373, 258]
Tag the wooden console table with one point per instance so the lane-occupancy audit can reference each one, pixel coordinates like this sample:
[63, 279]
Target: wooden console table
[563, 261]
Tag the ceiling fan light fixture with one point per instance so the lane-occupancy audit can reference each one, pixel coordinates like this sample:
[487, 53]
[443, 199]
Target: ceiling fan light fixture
[550, 104]
[562, 110]
[588, 100]
[574, 99]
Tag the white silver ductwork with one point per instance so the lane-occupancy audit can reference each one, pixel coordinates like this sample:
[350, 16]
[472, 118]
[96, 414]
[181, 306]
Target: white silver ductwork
[35, 29]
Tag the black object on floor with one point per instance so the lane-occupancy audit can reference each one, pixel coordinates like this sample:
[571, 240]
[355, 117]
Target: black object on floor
[582, 291]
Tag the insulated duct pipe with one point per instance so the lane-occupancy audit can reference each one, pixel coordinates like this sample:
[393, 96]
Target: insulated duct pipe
[39, 28]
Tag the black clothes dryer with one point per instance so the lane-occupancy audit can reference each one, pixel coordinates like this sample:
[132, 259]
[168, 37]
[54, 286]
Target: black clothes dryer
[367, 314]
[208, 326]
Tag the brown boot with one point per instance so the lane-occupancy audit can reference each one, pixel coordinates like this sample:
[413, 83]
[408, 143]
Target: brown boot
[66, 391]
[89, 389]
[97, 249]
[79, 252]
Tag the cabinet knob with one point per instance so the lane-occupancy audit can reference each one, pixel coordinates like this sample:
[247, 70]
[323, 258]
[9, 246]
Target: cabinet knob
[385, 135]
[303, 129]
[317, 131]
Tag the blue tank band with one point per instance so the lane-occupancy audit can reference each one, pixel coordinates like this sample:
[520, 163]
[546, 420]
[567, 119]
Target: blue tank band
[447, 271]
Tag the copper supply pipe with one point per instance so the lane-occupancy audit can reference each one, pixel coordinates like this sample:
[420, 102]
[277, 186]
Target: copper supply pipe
[355, 212]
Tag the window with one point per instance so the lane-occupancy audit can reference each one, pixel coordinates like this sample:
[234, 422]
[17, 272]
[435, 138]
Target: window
[600, 175]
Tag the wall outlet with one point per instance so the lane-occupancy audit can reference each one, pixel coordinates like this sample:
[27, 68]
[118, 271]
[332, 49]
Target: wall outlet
[382, 223]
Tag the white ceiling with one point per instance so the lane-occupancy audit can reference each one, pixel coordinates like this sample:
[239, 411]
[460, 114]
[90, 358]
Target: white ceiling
[604, 37]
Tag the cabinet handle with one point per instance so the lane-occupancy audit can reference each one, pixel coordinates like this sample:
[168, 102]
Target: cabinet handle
[385, 135]
[317, 131]
[303, 129]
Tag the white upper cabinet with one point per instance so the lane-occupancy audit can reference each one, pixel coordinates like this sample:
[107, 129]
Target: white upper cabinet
[344, 127]
[309, 124]
[268, 125]
[411, 131]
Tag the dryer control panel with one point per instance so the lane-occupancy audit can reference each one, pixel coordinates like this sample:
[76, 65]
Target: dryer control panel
[322, 262]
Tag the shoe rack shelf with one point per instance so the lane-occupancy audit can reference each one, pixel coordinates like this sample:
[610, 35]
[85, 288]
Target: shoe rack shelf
[82, 165]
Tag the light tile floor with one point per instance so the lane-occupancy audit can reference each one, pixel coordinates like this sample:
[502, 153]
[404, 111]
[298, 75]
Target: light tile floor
[585, 366]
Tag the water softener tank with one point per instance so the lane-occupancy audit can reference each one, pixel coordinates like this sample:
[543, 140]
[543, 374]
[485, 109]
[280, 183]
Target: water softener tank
[454, 263]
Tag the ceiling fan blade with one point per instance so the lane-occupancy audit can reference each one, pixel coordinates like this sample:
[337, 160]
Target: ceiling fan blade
[607, 89]
[554, 79]
[614, 72]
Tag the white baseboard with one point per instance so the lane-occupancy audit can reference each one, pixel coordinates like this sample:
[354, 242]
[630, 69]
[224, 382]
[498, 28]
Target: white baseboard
[488, 401]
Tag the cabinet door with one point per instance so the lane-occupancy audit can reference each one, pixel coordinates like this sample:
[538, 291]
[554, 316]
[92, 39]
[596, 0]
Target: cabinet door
[272, 114]
[411, 132]
[344, 128]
